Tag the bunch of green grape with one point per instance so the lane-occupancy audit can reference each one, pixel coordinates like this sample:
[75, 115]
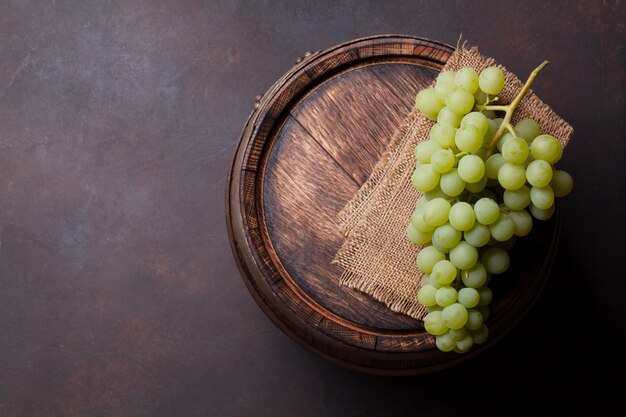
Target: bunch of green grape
[482, 184]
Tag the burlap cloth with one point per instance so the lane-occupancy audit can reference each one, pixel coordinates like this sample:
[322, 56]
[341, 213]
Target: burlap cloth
[377, 257]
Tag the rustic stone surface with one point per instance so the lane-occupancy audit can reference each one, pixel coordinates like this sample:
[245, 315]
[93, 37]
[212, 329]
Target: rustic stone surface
[118, 292]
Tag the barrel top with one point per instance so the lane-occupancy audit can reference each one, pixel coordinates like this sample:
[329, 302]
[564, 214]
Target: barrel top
[308, 146]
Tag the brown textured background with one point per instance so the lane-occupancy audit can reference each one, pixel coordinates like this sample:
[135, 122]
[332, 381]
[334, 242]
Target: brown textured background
[118, 292]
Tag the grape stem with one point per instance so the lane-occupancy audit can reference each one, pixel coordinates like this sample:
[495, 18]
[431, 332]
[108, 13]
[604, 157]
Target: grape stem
[511, 130]
[510, 108]
[495, 108]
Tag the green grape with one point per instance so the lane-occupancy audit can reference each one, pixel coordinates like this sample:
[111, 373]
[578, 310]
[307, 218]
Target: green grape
[444, 273]
[493, 128]
[475, 277]
[487, 211]
[428, 102]
[449, 118]
[539, 173]
[541, 214]
[433, 323]
[505, 244]
[427, 279]
[471, 168]
[446, 236]
[417, 220]
[468, 297]
[478, 120]
[426, 295]
[485, 296]
[424, 150]
[523, 222]
[474, 319]
[493, 165]
[435, 193]
[444, 84]
[454, 316]
[436, 211]
[427, 258]
[477, 187]
[442, 160]
[480, 335]
[481, 153]
[515, 150]
[463, 255]
[425, 178]
[446, 296]
[458, 334]
[511, 176]
[491, 80]
[465, 344]
[542, 198]
[496, 260]
[517, 199]
[445, 342]
[467, 79]
[478, 236]
[417, 237]
[451, 183]
[503, 140]
[460, 102]
[546, 147]
[485, 311]
[503, 229]
[442, 134]
[561, 183]
[462, 216]
[440, 248]
[468, 139]
[489, 114]
[445, 77]
[480, 97]
[527, 129]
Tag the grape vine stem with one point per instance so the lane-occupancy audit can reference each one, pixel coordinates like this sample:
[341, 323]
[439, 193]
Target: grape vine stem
[510, 108]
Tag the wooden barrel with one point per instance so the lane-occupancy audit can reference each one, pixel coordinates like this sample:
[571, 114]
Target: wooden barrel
[309, 144]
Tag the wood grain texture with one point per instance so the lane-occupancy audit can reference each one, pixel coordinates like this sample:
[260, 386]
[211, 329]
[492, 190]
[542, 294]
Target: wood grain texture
[304, 189]
[312, 141]
[362, 113]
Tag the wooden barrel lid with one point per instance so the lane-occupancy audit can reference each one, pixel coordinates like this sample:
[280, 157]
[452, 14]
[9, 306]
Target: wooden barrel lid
[308, 146]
